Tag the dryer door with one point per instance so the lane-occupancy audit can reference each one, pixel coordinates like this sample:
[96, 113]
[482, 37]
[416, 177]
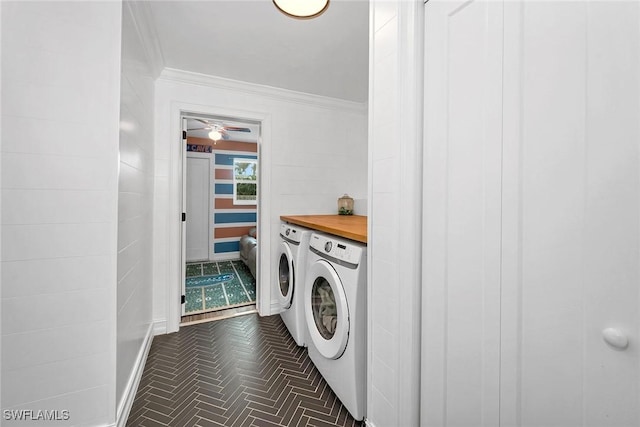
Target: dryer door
[326, 310]
[286, 276]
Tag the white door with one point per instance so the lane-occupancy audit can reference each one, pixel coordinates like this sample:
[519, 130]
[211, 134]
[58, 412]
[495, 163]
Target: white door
[571, 212]
[531, 230]
[198, 207]
[462, 183]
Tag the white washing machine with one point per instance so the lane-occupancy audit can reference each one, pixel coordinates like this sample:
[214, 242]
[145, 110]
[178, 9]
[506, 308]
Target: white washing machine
[335, 311]
[292, 263]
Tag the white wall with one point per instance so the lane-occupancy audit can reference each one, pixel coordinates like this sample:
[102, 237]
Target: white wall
[314, 149]
[135, 204]
[60, 107]
[394, 213]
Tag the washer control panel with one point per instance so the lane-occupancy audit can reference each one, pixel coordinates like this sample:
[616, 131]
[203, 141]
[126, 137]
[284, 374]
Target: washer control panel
[335, 248]
[290, 232]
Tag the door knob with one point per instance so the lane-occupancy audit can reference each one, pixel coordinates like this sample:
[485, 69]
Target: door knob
[615, 338]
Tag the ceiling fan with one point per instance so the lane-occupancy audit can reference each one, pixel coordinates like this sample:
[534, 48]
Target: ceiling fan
[219, 130]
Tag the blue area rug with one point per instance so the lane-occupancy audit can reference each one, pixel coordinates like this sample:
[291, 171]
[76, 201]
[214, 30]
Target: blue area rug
[218, 285]
[192, 282]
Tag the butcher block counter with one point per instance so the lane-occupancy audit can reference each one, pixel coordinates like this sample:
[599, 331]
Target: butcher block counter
[352, 227]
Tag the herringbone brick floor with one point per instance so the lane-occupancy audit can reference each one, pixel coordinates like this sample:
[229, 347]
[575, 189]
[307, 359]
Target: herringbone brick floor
[242, 371]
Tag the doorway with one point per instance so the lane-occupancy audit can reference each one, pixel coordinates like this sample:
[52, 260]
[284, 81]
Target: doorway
[220, 221]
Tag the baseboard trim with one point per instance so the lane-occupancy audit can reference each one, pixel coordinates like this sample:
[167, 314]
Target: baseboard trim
[159, 327]
[134, 379]
[227, 256]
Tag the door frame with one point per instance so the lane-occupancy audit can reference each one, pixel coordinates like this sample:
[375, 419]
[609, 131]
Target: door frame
[174, 203]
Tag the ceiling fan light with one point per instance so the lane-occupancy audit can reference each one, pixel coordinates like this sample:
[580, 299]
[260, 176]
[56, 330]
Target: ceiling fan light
[215, 134]
[302, 8]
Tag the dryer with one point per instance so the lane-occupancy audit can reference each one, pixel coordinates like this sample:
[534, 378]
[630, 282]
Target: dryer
[291, 266]
[335, 312]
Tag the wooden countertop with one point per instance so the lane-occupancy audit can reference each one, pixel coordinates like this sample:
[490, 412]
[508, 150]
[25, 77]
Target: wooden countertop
[352, 227]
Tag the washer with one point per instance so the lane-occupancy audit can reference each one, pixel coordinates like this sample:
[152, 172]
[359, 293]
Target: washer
[335, 311]
[292, 262]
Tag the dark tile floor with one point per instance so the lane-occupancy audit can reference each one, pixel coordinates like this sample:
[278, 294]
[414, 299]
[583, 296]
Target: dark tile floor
[242, 371]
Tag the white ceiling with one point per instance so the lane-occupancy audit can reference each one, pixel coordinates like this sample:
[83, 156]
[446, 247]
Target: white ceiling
[250, 40]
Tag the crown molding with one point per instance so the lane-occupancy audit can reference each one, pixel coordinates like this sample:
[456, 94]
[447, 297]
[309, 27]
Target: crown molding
[279, 94]
[140, 12]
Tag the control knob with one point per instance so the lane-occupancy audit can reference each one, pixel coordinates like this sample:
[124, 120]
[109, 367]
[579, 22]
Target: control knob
[327, 247]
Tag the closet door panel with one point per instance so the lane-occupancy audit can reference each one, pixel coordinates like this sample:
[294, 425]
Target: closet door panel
[462, 213]
[552, 217]
[571, 198]
[531, 214]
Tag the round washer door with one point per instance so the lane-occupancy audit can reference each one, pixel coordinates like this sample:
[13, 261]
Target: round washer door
[286, 276]
[326, 310]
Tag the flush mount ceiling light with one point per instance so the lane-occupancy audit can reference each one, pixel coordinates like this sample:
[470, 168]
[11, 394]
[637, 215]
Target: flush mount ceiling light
[302, 9]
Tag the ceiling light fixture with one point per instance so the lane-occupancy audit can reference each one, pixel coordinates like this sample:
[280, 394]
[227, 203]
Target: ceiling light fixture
[215, 134]
[302, 9]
